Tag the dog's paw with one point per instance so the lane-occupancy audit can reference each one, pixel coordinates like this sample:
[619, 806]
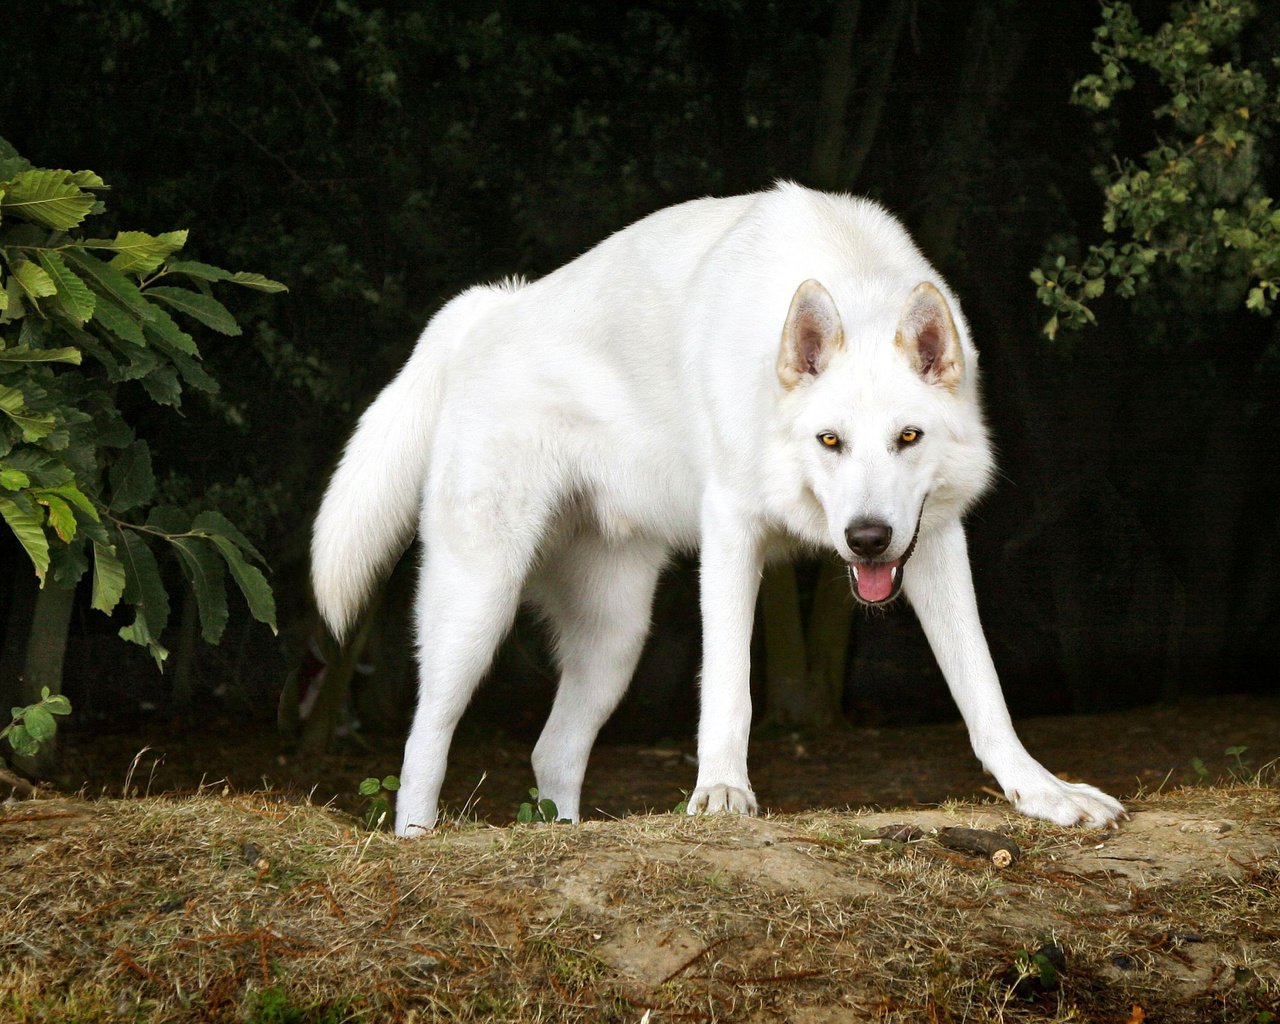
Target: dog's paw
[722, 800]
[1066, 803]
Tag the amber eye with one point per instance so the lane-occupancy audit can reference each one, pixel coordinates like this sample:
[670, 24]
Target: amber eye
[910, 436]
[829, 439]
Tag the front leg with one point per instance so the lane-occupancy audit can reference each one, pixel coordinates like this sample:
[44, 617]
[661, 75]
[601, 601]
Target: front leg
[940, 587]
[731, 564]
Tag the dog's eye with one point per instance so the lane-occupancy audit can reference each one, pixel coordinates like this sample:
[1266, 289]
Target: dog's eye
[829, 440]
[910, 436]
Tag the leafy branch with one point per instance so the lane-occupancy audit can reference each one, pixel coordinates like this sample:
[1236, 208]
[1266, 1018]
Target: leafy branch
[81, 320]
[1196, 203]
[35, 724]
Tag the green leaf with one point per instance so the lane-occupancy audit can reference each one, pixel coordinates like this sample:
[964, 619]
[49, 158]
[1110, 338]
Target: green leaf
[27, 523]
[21, 741]
[209, 311]
[118, 322]
[39, 723]
[86, 179]
[67, 563]
[204, 570]
[106, 280]
[217, 525]
[61, 518]
[47, 197]
[164, 328]
[42, 467]
[13, 306]
[163, 386]
[253, 585]
[55, 703]
[192, 372]
[13, 479]
[108, 577]
[74, 297]
[132, 481]
[138, 252]
[13, 403]
[11, 162]
[257, 282]
[199, 271]
[144, 589]
[72, 494]
[35, 282]
[369, 787]
[26, 354]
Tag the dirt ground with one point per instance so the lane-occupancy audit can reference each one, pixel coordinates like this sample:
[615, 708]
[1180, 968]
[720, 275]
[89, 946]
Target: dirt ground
[1123, 753]
[261, 909]
[230, 884]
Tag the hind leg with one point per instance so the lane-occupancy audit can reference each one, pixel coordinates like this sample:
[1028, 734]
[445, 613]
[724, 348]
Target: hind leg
[598, 598]
[468, 592]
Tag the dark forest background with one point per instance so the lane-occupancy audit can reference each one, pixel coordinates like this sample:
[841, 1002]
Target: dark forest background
[378, 157]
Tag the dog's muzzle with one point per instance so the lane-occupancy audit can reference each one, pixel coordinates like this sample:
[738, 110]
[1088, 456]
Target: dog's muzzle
[874, 582]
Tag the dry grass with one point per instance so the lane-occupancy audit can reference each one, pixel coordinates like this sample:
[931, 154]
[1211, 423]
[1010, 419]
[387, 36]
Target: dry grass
[219, 907]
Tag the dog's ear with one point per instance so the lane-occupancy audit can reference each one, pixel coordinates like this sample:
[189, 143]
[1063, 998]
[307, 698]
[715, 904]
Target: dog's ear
[928, 336]
[811, 335]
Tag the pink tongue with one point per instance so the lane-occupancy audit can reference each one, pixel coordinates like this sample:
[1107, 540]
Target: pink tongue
[875, 582]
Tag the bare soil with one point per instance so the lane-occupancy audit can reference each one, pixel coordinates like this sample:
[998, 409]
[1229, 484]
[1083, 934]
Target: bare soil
[489, 774]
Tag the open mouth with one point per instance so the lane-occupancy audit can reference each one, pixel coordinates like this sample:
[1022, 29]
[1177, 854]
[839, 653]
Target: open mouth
[878, 582]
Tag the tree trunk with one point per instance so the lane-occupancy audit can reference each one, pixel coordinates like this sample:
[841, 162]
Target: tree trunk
[787, 697]
[17, 629]
[829, 637]
[46, 651]
[833, 100]
[336, 685]
[184, 662]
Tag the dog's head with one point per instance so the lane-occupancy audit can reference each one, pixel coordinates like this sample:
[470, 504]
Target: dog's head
[884, 409]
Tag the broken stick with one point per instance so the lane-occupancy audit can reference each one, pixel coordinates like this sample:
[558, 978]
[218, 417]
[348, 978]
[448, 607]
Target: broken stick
[1002, 850]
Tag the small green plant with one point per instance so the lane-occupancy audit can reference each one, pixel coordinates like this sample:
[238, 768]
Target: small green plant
[35, 723]
[1034, 973]
[1241, 770]
[537, 810]
[277, 1006]
[378, 794]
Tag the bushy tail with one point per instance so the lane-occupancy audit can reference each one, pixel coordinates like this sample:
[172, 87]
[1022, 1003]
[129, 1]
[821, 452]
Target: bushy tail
[370, 509]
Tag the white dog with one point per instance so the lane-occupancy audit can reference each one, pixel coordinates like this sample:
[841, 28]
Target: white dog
[743, 376]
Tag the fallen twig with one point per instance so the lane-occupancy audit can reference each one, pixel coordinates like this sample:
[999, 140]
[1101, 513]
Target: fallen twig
[1002, 850]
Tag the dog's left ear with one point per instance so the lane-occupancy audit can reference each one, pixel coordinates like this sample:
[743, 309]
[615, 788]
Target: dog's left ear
[928, 336]
[812, 333]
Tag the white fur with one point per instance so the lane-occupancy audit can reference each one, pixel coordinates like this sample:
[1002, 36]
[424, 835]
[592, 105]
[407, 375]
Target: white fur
[555, 441]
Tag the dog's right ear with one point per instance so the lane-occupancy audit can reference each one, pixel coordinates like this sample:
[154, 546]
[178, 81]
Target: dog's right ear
[812, 334]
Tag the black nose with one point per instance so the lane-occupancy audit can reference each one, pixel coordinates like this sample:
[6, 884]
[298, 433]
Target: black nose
[868, 538]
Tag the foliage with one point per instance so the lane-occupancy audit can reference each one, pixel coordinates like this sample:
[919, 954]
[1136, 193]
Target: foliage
[34, 724]
[276, 1005]
[544, 811]
[1196, 202]
[378, 792]
[86, 323]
